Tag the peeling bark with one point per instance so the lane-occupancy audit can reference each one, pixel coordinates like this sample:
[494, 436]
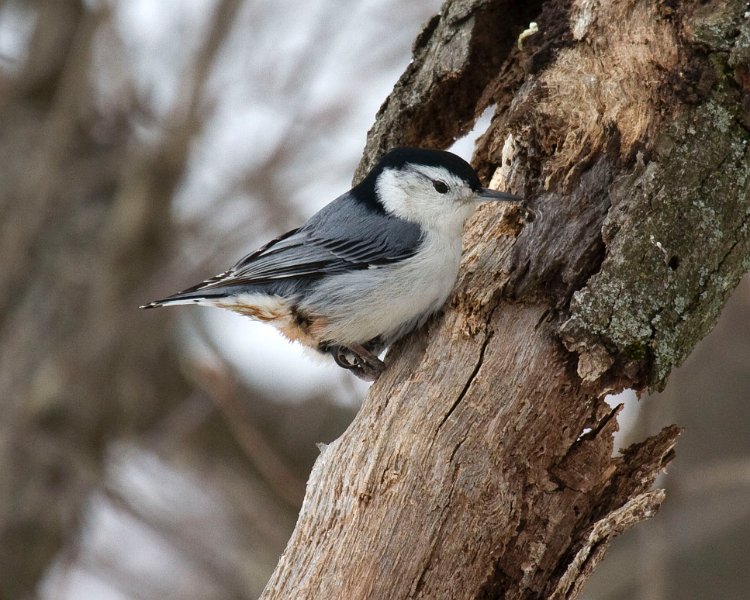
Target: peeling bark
[481, 464]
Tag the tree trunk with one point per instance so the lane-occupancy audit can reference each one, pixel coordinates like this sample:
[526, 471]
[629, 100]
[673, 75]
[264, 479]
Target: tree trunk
[481, 464]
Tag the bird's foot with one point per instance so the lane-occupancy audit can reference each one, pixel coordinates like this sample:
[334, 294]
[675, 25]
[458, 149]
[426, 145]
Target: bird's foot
[359, 360]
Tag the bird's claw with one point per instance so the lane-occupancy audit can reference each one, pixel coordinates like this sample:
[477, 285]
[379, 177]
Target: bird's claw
[360, 362]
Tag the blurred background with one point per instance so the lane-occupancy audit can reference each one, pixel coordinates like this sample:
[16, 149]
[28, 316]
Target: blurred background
[148, 144]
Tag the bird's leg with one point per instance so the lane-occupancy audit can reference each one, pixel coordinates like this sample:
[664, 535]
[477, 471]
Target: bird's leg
[371, 366]
[365, 365]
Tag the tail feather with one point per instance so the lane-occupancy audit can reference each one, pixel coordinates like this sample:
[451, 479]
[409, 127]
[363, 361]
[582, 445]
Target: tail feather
[195, 294]
[205, 298]
[211, 291]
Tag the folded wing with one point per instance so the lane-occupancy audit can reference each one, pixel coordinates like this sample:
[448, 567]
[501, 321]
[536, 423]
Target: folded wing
[344, 236]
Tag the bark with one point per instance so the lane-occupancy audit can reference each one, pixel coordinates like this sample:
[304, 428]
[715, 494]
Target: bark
[481, 464]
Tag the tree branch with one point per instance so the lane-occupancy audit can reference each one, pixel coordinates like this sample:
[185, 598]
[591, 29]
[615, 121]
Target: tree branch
[481, 465]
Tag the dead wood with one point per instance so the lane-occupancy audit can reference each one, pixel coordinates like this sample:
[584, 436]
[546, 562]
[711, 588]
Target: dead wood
[481, 464]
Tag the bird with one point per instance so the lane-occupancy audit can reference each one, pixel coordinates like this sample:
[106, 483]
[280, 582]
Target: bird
[371, 266]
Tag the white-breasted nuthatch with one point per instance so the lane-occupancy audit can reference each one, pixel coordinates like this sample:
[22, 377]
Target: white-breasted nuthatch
[367, 269]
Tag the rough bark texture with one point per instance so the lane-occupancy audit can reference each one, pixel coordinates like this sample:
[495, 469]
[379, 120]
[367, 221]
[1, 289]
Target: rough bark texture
[480, 465]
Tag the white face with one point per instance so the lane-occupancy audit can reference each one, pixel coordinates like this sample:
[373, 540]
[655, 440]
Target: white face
[431, 196]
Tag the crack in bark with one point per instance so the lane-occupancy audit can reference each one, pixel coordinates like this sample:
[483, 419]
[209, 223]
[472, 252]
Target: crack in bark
[591, 555]
[695, 301]
[456, 449]
[595, 431]
[471, 378]
[737, 241]
[562, 470]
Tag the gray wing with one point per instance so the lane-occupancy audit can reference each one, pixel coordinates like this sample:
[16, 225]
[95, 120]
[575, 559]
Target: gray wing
[343, 236]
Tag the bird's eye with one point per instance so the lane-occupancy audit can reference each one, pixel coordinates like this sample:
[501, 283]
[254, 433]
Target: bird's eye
[440, 186]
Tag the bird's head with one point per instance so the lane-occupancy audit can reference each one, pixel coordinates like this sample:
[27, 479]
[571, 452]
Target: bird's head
[434, 188]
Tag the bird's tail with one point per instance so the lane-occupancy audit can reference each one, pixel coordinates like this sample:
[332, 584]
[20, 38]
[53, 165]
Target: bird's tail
[197, 298]
[204, 293]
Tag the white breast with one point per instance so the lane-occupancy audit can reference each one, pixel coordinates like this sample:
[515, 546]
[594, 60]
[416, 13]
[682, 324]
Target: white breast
[389, 301]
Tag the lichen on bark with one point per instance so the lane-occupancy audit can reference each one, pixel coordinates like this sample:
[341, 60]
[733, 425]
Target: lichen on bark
[677, 242]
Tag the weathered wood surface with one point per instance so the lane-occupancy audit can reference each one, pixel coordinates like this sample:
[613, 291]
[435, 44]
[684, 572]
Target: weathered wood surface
[480, 465]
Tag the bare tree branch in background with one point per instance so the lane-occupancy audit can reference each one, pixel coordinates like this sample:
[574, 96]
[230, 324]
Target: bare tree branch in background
[484, 454]
[280, 477]
[84, 221]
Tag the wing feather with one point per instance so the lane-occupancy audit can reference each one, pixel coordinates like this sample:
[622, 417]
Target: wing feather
[344, 236]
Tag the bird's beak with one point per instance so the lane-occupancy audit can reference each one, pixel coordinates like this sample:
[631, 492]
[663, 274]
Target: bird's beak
[484, 194]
